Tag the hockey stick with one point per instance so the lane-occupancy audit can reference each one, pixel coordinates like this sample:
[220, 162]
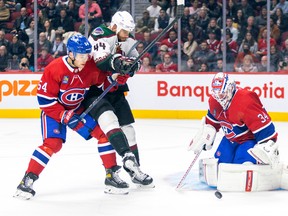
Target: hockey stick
[188, 170]
[180, 9]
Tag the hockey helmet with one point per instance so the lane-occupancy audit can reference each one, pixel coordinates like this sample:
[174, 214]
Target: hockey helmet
[78, 44]
[223, 89]
[123, 20]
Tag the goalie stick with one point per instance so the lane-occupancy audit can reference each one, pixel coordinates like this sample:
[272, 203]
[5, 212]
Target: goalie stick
[188, 170]
[180, 9]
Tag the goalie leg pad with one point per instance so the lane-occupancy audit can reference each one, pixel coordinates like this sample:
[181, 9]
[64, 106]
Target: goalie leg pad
[247, 178]
[284, 179]
[208, 169]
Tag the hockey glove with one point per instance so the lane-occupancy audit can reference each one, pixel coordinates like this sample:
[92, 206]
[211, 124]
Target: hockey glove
[71, 119]
[203, 139]
[265, 153]
[121, 64]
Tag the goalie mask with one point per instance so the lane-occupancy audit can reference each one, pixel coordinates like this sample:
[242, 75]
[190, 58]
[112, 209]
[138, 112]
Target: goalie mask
[123, 20]
[223, 89]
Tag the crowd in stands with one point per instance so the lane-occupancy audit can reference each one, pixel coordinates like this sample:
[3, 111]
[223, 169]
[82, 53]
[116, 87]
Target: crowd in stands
[201, 42]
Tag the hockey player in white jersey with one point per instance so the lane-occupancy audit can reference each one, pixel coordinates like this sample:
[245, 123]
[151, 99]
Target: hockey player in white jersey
[113, 50]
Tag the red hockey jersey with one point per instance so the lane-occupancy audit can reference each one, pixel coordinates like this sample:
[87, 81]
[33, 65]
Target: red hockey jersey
[245, 119]
[63, 87]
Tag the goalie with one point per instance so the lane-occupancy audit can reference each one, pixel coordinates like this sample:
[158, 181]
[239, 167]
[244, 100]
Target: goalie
[247, 157]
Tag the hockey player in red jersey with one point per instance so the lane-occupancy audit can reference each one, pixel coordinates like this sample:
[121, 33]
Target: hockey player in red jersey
[61, 90]
[249, 134]
[113, 50]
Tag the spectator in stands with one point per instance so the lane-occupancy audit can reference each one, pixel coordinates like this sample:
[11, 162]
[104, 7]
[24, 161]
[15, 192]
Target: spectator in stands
[82, 28]
[281, 20]
[146, 23]
[230, 57]
[251, 27]
[261, 19]
[231, 8]
[190, 66]
[4, 58]
[247, 66]
[172, 9]
[262, 44]
[94, 14]
[213, 26]
[4, 14]
[214, 9]
[59, 48]
[107, 10]
[29, 54]
[233, 30]
[13, 5]
[17, 47]
[185, 19]
[161, 22]
[204, 67]
[61, 4]
[140, 48]
[283, 67]
[284, 51]
[262, 66]
[24, 64]
[44, 59]
[194, 7]
[30, 31]
[219, 66]
[203, 19]
[251, 41]
[275, 57]
[231, 43]
[171, 41]
[63, 23]
[204, 55]
[212, 42]
[49, 31]
[197, 30]
[51, 10]
[167, 65]
[283, 4]
[160, 57]
[44, 42]
[190, 46]
[246, 8]
[146, 65]
[239, 20]
[22, 22]
[13, 63]
[154, 9]
[72, 11]
[42, 17]
[241, 55]
[3, 41]
[153, 51]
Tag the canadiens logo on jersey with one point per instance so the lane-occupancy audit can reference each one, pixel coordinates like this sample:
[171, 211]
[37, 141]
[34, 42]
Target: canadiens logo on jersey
[72, 96]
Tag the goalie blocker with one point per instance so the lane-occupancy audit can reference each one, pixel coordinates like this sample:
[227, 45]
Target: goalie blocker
[242, 177]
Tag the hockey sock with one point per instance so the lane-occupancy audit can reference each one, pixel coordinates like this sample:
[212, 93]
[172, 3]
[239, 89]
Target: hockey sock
[135, 151]
[118, 141]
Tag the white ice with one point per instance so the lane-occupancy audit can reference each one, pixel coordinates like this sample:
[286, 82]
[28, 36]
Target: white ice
[73, 182]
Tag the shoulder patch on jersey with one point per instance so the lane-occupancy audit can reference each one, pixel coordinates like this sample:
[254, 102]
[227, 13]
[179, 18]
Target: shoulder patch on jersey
[65, 79]
[98, 31]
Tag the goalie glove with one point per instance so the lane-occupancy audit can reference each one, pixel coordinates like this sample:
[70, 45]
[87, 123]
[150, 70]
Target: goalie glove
[265, 153]
[204, 138]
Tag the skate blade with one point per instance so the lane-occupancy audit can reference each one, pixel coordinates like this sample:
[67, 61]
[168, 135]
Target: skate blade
[23, 195]
[141, 186]
[116, 191]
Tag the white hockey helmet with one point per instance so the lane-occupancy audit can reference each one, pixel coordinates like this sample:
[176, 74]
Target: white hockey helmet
[123, 20]
[223, 89]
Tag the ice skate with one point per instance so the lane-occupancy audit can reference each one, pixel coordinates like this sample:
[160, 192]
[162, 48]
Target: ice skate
[25, 188]
[114, 184]
[139, 178]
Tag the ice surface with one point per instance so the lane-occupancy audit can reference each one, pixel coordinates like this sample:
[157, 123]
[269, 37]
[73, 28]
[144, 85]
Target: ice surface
[73, 182]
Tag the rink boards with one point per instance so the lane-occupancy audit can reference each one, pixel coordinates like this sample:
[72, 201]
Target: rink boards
[154, 95]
